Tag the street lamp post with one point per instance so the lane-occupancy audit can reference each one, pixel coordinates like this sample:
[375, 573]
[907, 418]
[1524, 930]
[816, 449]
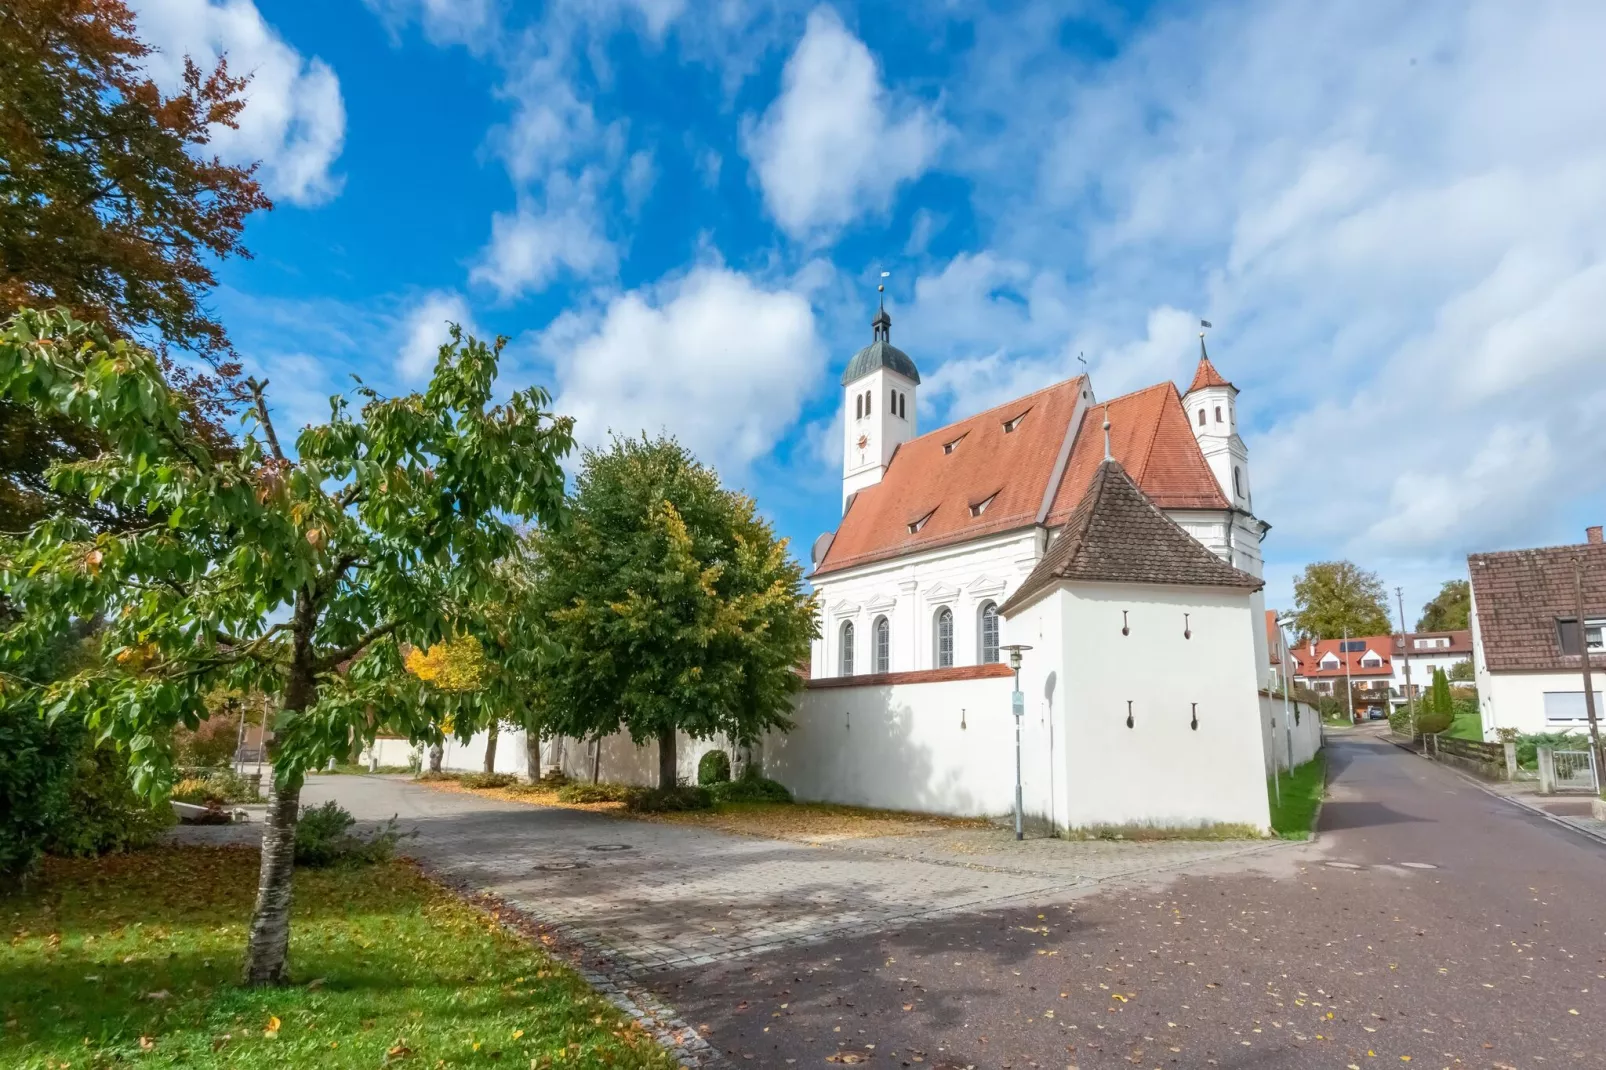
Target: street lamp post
[1017, 703]
[1288, 733]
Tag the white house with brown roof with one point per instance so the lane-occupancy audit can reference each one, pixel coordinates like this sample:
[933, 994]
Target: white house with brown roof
[1528, 647]
[1114, 537]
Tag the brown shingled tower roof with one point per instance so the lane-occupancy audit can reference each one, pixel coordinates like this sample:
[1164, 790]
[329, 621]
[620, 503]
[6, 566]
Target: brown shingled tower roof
[1118, 535]
[1207, 375]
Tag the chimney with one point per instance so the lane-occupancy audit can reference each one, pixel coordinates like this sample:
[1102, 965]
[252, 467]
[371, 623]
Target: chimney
[1593, 534]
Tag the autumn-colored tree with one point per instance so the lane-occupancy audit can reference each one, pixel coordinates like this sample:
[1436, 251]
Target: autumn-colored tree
[110, 206]
[1332, 598]
[299, 577]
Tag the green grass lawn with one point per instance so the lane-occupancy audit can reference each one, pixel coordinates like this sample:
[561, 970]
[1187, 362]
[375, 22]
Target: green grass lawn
[1302, 792]
[134, 958]
[1468, 726]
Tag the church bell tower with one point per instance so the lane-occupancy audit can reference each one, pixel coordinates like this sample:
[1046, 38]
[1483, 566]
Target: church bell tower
[1212, 406]
[878, 406]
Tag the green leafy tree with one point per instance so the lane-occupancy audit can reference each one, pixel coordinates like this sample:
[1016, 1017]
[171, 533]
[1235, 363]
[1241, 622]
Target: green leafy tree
[1335, 597]
[298, 577]
[1436, 710]
[671, 605]
[1450, 610]
[1462, 671]
[110, 205]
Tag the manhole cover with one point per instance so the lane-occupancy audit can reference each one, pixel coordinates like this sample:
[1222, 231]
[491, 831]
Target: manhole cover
[1419, 865]
[1343, 865]
[609, 847]
[560, 865]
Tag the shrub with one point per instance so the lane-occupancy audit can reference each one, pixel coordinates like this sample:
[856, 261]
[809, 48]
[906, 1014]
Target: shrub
[554, 780]
[714, 768]
[214, 787]
[434, 775]
[198, 791]
[37, 761]
[663, 800]
[752, 789]
[595, 793]
[1528, 745]
[324, 838]
[488, 780]
[103, 814]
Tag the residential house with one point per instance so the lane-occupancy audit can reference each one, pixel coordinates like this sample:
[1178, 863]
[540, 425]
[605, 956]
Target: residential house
[1425, 652]
[1528, 647]
[1328, 666]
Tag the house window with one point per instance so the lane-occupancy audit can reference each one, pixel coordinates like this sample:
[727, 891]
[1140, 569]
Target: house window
[1324, 687]
[1434, 643]
[988, 631]
[949, 447]
[845, 658]
[1594, 634]
[881, 651]
[1201, 418]
[1371, 662]
[916, 525]
[1329, 662]
[942, 639]
[978, 508]
[1012, 423]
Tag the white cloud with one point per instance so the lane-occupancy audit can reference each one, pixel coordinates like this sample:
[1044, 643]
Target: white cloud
[835, 144]
[640, 174]
[425, 328]
[294, 120]
[531, 246]
[1391, 214]
[714, 358]
[445, 22]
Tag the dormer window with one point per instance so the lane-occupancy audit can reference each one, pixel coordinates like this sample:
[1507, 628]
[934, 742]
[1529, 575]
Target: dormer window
[978, 508]
[916, 525]
[1014, 422]
[950, 446]
[1371, 661]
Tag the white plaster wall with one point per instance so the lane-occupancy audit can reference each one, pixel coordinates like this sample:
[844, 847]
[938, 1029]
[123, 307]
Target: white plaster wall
[461, 757]
[623, 762]
[1300, 730]
[1517, 700]
[946, 748]
[909, 590]
[1161, 771]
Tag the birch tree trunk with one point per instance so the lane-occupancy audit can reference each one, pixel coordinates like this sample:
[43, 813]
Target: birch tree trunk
[267, 949]
[666, 758]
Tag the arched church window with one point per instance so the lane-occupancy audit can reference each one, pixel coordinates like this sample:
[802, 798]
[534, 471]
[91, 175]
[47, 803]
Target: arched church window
[942, 639]
[903, 412]
[881, 652]
[892, 402]
[845, 657]
[858, 407]
[1201, 418]
[1238, 481]
[987, 630]
[1218, 414]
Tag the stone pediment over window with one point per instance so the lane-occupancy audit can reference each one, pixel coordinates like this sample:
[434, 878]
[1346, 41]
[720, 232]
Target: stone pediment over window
[880, 602]
[844, 608]
[985, 585]
[942, 592]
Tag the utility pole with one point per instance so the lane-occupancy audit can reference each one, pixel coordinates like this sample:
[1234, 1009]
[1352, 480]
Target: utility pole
[1410, 699]
[1583, 656]
[1349, 687]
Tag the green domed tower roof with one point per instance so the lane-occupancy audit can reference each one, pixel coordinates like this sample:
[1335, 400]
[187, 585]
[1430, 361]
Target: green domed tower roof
[881, 353]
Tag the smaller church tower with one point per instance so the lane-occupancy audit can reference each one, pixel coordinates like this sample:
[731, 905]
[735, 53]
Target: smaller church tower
[1211, 403]
[878, 407]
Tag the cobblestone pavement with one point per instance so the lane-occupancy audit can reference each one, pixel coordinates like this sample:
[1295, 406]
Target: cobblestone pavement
[650, 896]
[1430, 925]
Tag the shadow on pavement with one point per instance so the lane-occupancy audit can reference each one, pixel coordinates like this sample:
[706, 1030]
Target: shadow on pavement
[1359, 814]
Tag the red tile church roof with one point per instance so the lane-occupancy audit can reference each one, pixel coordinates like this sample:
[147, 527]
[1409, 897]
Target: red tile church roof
[937, 490]
[1207, 376]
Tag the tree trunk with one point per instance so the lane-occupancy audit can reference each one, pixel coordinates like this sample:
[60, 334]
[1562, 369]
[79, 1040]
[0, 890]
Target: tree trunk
[437, 752]
[666, 758]
[490, 747]
[267, 949]
[532, 754]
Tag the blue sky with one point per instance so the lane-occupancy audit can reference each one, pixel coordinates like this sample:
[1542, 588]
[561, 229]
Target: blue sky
[678, 212]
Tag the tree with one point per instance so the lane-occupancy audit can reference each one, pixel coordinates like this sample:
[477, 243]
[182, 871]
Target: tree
[110, 206]
[1463, 670]
[297, 576]
[1335, 597]
[1450, 609]
[670, 603]
[1436, 711]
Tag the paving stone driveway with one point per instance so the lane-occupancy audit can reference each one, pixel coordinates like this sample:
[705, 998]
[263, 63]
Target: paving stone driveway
[674, 896]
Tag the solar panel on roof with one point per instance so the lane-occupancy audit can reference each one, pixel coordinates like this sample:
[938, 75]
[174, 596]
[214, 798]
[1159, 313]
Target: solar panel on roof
[1353, 646]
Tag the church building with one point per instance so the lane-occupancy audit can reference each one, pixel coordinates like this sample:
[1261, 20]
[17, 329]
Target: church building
[1113, 540]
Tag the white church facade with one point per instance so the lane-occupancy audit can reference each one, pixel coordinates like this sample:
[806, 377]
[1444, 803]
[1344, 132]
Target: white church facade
[1116, 539]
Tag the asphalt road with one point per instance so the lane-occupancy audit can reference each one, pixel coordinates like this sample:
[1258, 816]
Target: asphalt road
[1345, 953]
